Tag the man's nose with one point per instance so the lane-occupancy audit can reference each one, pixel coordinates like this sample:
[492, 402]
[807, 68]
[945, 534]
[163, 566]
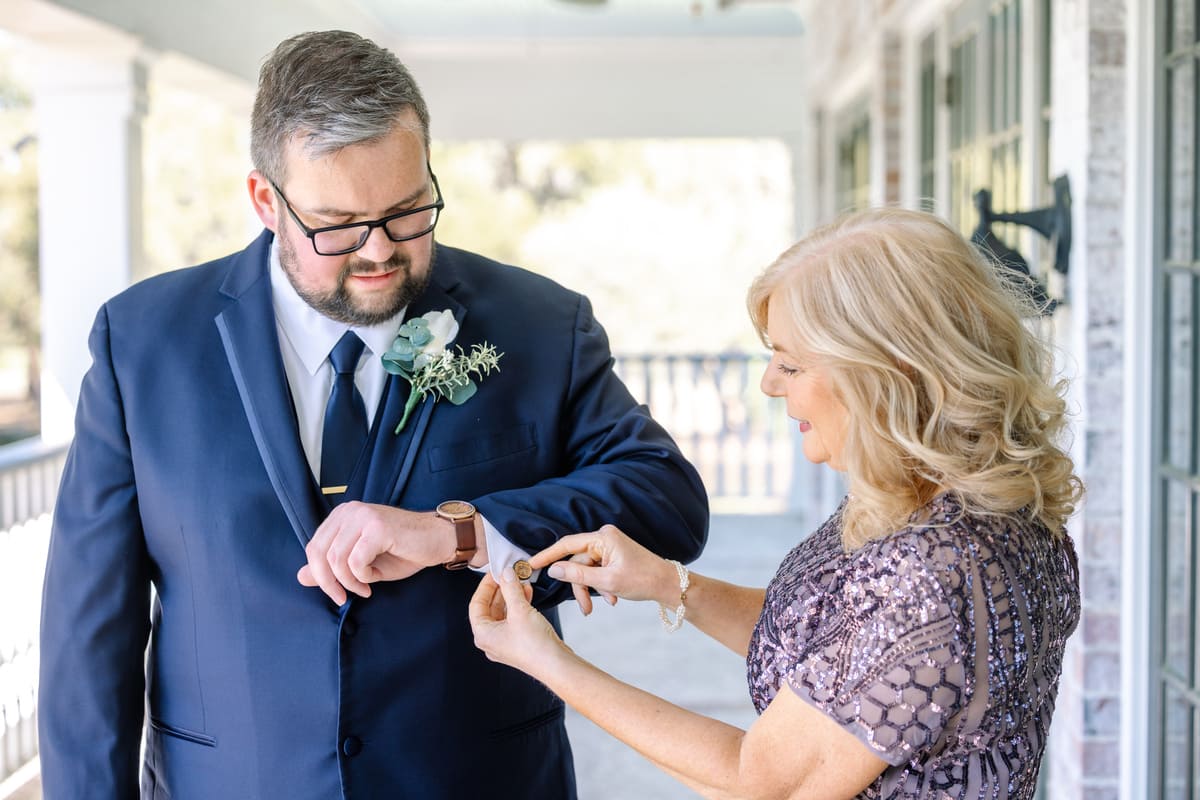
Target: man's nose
[378, 247]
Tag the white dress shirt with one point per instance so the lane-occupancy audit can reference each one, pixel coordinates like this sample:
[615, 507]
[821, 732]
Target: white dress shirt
[306, 336]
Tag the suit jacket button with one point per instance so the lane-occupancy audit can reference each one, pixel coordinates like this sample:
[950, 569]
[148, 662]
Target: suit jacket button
[351, 746]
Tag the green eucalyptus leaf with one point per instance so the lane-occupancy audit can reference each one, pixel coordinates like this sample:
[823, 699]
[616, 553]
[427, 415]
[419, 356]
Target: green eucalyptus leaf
[421, 336]
[461, 394]
[403, 349]
[396, 368]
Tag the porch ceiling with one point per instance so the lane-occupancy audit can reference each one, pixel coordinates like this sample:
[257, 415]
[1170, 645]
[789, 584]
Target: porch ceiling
[490, 68]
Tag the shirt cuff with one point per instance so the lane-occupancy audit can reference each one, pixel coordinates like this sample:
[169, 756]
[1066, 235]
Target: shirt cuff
[501, 552]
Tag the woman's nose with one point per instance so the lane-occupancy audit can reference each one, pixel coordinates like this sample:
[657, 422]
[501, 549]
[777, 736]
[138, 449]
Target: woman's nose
[770, 381]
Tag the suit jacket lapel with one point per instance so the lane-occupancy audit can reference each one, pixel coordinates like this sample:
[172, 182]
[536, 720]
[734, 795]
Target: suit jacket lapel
[393, 455]
[251, 343]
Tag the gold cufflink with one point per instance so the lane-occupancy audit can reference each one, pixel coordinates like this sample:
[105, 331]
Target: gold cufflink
[522, 569]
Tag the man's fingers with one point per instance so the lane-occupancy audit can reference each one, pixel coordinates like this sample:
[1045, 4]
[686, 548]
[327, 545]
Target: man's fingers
[338, 559]
[363, 562]
[320, 573]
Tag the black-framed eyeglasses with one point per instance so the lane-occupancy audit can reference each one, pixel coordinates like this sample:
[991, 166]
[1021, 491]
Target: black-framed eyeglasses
[337, 240]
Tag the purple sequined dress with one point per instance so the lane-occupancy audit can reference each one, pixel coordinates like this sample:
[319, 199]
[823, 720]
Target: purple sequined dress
[938, 646]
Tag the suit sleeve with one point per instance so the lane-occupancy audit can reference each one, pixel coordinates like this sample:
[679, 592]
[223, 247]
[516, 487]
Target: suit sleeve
[624, 469]
[95, 605]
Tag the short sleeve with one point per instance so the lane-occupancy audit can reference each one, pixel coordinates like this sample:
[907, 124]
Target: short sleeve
[888, 662]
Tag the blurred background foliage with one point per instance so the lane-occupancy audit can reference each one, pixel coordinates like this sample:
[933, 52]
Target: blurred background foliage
[664, 236]
[20, 311]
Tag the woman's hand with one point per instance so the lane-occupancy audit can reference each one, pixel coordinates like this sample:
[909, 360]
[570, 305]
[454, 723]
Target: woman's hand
[511, 631]
[610, 562]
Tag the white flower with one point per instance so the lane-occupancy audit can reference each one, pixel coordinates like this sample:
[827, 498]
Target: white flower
[443, 327]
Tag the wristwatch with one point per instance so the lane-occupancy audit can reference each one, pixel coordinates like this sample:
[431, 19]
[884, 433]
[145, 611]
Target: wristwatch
[462, 514]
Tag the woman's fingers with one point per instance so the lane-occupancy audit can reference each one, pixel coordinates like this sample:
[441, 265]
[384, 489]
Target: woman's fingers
[573, 572]
[582, 598]
[482, 605]
[516, 594]
[564, 547]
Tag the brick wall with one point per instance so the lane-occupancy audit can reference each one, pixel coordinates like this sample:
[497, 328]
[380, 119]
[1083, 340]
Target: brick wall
[1089, 143]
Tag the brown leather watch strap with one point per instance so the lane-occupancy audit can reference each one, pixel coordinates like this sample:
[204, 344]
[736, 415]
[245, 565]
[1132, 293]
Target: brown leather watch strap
[462, 514]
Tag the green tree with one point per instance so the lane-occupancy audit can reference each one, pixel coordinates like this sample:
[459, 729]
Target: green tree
[663, 236]
[20, 308]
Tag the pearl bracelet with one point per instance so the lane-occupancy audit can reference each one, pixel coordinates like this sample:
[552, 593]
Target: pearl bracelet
[668, 623]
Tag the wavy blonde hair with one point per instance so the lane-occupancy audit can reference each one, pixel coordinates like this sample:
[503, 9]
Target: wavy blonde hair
[945, 388]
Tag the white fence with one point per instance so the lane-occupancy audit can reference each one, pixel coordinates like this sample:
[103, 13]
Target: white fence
[29, 476]
[736, 436]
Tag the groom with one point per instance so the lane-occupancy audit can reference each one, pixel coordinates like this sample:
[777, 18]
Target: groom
[237, 497]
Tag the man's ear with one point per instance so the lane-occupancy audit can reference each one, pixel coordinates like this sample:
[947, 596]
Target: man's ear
[264, 199]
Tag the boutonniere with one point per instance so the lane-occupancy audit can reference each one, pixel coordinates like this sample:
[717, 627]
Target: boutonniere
[421, 355]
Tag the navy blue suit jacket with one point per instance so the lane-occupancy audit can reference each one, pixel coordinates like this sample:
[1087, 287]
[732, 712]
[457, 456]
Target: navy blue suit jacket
[187, 475]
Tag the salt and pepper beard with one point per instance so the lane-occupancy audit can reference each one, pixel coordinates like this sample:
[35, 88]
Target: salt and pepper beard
[338, 304]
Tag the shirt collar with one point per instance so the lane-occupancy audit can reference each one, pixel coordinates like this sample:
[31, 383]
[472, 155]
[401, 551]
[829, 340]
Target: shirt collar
[311, 333]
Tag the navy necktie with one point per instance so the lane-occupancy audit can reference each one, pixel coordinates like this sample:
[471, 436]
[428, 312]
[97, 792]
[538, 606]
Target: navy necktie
[345, 420]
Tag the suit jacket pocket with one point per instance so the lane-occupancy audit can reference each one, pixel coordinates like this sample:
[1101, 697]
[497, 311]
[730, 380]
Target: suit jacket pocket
[482, 448]
[529, 725]
[194, 737]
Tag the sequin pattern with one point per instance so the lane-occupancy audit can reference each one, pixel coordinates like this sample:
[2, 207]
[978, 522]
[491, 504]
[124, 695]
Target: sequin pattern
[938, 646]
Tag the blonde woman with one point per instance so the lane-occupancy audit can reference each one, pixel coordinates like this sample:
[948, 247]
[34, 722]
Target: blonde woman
[911, 646]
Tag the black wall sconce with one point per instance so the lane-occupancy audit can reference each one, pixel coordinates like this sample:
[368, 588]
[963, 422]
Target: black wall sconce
[1052, 222]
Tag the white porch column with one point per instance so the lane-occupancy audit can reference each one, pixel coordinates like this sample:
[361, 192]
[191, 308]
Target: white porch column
[90, 104]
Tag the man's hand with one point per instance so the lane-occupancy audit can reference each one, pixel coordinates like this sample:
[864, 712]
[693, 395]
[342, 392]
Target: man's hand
[361, 543]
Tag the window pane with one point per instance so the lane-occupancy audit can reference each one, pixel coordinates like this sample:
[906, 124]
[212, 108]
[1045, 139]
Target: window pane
[854, 165]
[955, 99]
[1047, 39]
[1015, 54]
[996, 47]
[928, 121]
[1179, 630]
[1002, 66]
[1181, 25]
[1180, 369]
[1178, 732]
[969, 93]
[1180, 167]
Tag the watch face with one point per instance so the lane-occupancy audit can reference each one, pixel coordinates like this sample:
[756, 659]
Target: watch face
[456, 509]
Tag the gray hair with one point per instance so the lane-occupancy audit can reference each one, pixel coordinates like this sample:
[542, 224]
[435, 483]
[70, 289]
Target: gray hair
[333, 89]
